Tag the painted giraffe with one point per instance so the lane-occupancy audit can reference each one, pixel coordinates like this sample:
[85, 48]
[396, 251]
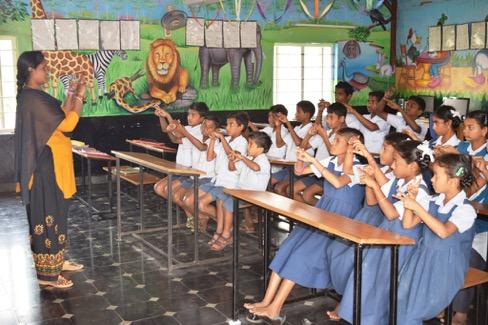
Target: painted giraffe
[64, 63]
[122, 87]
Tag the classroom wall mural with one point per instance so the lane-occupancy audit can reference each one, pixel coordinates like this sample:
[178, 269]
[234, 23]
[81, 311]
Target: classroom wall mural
[442, 73]
[168, 69]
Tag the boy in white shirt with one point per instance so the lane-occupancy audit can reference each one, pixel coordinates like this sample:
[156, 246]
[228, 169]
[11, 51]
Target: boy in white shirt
[193, 131]
[254, 174]
[318, 138]
[199, 155]
[373, 127]
[277, 132]
[224, 178]
[304, 113]
[409, 121]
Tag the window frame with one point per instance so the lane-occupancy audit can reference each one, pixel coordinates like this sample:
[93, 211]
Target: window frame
[3, 129]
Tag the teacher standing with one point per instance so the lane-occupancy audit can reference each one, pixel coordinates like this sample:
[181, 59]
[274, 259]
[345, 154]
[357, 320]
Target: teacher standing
[44, 165]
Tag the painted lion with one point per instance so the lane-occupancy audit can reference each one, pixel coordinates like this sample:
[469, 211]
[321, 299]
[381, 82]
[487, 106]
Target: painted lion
[165, 75]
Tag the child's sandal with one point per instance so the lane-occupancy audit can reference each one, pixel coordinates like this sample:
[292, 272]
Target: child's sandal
[215, 237]
[221, 243]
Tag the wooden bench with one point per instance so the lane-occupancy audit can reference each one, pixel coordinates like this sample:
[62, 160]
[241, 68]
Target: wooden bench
[134, 178]
[474, 278]
[359, 234]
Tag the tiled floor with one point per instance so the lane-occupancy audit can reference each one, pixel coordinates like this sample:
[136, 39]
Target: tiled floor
[126, 282]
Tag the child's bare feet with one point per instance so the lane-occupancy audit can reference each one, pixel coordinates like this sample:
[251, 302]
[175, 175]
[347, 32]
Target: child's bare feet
[269, 311]
[250, 306]
[334, 314]
[460, 319]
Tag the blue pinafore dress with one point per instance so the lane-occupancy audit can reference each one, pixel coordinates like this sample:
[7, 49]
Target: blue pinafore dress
[375, 289]
[301, 257]
[340, 254]
[434, 273]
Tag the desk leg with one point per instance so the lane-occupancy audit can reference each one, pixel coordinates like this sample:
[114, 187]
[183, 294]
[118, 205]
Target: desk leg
[119, 202]
[110, 185]
[292, 184]
[267, 236]
[358, 265]
[170, 224]
[235, 259]
[90, 202]
[130, 147]
[195, 216]
[141, 195]
[83, 175]
[393, 285]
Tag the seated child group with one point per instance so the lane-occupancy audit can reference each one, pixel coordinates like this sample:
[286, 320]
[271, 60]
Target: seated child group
[376, 168]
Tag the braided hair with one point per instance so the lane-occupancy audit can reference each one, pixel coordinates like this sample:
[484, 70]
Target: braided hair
[447, 113]
[29, 59]
[410, 152]
[458, 166]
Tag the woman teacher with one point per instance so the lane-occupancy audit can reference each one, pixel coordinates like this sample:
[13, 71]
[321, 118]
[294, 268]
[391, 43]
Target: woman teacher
[44, 165]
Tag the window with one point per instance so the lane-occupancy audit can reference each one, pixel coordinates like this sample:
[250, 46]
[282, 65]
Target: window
[302, 72]
[8, 85]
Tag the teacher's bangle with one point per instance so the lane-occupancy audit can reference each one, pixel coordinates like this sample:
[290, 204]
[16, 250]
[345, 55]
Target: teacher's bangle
[381, 200]
[79, 98]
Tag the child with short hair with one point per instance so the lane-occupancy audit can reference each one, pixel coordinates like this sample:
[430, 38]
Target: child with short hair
[439, 262]
[224, 178]
[186, 138]
[254, 173]
[317, 138]
[304, 113]
[209, 126]
[277, 132]
[373, 126]
[409, 159]
[301, 257]
[343, 94]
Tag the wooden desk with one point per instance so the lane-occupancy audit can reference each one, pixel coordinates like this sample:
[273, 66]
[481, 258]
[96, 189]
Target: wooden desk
[155, 146]
[358, 233]
[90, 154]
[144, 160]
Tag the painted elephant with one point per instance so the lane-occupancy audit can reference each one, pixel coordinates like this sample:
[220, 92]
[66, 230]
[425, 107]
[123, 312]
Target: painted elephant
[216, 58]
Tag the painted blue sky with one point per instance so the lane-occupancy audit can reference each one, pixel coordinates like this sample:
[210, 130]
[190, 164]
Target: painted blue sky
[154, 9]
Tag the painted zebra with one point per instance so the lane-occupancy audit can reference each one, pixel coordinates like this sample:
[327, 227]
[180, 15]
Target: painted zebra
[100, 60]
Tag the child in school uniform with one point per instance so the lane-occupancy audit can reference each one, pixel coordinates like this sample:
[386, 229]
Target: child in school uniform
[186, 138]
[446, 121]
[277, 132]
[304, 113]
[209, 126]
[340, 254]
[409, 119]
[410, 157]
[219, 148]
[254, 172]
[342, 94]
[321, 140]
[301, 257]
[435, 271]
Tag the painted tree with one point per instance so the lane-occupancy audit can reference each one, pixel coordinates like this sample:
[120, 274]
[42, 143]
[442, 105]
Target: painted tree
[318, 11]
[13, 10]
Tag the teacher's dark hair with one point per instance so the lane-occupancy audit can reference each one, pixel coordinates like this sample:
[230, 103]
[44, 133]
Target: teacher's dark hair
[29, 59]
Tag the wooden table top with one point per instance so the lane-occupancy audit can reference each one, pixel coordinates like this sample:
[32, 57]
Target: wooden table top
[154, 146]
[481, 209]
[475, 277]
[281, 162]
[331, 223]
[93, 155]
[155, 163]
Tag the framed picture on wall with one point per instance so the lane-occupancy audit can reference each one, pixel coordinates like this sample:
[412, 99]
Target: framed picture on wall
[232, 35]
[129, 35]
[43, 35]
[213, 34]
[88, 34]
[195, 31]
[248, 34]
[478, 35]
[66, 34]
[462, 37]
[449, 37]
[435, 37]
[110, 35]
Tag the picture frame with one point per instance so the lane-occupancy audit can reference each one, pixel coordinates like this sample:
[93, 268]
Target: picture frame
[232, 35]
[130, 34]
[110, 35]
[248, 34]
[462, 37]
[478, 36]
[43, 35]
[214, 34]
[88, 34]
[435, 38]
[448, 37]
[195, 31]
[66, 34]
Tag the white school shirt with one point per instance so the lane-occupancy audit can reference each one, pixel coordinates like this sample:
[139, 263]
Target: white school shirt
[202, 164]
[353, 122]
[338, 168]
[373, 140]
[254, 180]
[291, 148]
[274, 151]
[184, 154]
[224, 177]
[423, 198]
[453, 141]
[399, 123]
[463, 216]
[317, 143]
[386, 170]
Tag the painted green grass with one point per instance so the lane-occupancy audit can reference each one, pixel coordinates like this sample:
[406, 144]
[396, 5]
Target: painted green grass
[477, 100]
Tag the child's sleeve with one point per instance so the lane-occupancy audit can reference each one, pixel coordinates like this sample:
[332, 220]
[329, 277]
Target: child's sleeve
[316, 141]
[396, 121]
[356, 175]
[197, 134]
[241, 147]
[324, 162]
[423, 198]
[463, 217]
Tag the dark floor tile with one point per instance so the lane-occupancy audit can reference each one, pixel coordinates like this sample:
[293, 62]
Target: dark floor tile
[139, 310]
[167, 289]
[45, 311]
[123, 296]
[84, 304]
[203, 315]
[57, 321]
[97, 317]
[157, 320]
[216, 295]
[205, 281]
[182, 303]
